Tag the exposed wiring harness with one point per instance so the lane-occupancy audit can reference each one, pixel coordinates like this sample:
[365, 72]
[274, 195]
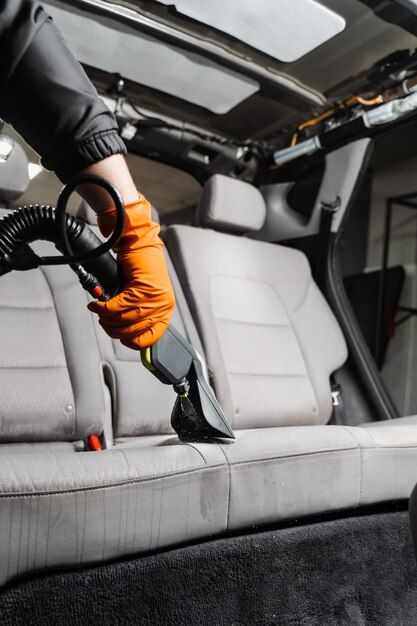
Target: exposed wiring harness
[351, 102]
[401, 89]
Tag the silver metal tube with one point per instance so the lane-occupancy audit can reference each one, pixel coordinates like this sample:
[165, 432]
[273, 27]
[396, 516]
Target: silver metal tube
[390, 111]
[300, 149]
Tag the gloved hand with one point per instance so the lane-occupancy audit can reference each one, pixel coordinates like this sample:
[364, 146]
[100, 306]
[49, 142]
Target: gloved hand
[140, 314]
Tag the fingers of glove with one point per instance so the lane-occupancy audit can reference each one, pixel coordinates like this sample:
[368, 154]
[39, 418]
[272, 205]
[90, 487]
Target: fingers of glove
[96, 306]
[130, 320]
[147, 290]
[127, 331]
[127, 308]
[147, 338]
[140, 313]
[129, 300]
[127, 319]
[138, 336]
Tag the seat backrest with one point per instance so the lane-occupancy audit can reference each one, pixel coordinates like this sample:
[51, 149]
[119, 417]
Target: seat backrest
[141, 404]
[270, 338]
[51, 381]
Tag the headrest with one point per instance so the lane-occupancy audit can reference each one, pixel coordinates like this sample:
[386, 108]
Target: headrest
[14, 175]
[86, 213]
[231, 205]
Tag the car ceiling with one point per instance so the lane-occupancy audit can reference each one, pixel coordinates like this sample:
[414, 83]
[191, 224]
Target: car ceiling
[288, 92]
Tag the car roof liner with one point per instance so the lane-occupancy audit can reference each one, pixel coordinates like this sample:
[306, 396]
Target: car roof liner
[253, 95]
[157, 64]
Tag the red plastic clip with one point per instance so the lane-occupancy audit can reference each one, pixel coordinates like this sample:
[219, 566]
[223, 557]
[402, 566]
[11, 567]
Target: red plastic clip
[94, 443]
[97, 291]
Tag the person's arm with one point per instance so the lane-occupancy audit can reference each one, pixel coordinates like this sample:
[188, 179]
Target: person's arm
[47, 97]
[116, 171]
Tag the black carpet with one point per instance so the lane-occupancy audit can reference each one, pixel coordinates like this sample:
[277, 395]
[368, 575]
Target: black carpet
[357, 570]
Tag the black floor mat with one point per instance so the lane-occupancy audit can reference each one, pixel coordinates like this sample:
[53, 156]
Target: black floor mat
[355, 570]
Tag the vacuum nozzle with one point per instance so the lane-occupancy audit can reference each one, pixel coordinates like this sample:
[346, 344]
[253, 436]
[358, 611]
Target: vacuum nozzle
[196, 416]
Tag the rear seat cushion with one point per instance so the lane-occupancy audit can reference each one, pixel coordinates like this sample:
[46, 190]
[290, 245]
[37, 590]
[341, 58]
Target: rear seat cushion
[65, 510]
[52, 447]
[68, 510]
[398, 421]
[269, 337]
[285, 473]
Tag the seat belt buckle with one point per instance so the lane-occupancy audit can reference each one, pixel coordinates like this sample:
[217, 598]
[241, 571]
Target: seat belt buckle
[336, 393]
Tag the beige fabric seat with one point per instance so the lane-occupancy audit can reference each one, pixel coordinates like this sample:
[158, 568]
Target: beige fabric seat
[66, 510]
[51, 379]
[61, 506]
[270, 339]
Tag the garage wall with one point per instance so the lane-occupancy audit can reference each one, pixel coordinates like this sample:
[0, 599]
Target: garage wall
[392, 179]
[394, 173]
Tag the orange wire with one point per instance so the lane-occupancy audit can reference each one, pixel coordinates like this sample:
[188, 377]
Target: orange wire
[326, 114]
[368, 103]
[315, 120]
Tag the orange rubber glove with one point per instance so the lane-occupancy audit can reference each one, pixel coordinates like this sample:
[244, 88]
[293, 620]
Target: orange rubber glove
[140, 314]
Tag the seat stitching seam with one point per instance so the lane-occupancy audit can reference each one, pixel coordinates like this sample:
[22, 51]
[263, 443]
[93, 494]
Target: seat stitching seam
[174, 474]
[125, 483]
[361, 462]
[300, 304]
[190, 445]
[410, 446]
[48, 307]
[290, 456]
[268, 284]
[230, 485]
[299, 343]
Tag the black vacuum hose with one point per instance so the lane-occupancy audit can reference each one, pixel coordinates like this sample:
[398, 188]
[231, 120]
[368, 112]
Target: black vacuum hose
[80, 248]
[31, 223]
[38, 222]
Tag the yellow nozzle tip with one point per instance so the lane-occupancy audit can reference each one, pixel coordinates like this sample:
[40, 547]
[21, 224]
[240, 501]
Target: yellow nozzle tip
[146, 358]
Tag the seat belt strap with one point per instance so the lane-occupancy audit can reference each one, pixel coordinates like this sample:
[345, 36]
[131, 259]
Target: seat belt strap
[328, 209]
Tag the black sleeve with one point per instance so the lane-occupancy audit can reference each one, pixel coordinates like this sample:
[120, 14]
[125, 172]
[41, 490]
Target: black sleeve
[46, 95]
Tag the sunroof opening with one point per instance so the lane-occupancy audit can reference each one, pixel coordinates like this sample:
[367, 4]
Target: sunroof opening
[283, 29]
[117, 48]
